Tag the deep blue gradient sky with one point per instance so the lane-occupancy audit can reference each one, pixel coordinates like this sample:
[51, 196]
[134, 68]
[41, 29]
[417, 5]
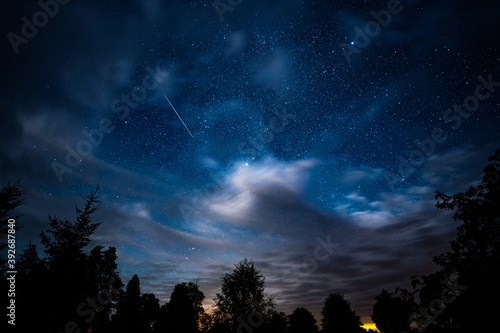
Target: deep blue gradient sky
[292, 140]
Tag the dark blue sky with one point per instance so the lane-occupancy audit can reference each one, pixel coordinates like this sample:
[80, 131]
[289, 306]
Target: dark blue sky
[302, 128]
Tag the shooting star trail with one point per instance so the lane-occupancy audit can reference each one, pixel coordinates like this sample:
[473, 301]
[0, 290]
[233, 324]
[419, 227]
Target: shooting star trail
[178, 115]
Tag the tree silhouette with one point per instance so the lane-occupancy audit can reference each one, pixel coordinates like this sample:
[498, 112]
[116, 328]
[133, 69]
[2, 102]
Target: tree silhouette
[11, 197]
[463, 295]
[100, 272]
[32, 294]
[478, 239]
[301, 321]
[242, 294]
[184, 310]
[337, 316]
[150, 308]
[275, 323]
[64, 241]
[128, 317]
[66, 287]
[475, 253]
[219, 326]
[206, 322]
[74, 273]
[391, 313]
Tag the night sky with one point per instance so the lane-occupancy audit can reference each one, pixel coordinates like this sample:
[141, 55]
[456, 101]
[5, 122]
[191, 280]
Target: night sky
[292, 124]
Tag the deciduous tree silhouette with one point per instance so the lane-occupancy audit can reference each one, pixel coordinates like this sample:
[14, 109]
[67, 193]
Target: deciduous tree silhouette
[337, 316]
[184, 310]
[218, 326]
[475, 253]
[463, 296]
[478, 239]
[242, 294]
[391, 313]
[301, 321]
[275, 323]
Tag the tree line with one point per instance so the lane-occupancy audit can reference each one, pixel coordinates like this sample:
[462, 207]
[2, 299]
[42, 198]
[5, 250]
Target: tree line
[464, 294]
[73, 289]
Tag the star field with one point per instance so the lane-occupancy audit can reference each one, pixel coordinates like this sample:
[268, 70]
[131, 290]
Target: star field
[291, 140]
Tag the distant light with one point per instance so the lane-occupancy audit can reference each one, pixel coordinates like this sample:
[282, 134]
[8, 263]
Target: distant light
[246, 164]
[370, 326]
[352, 43]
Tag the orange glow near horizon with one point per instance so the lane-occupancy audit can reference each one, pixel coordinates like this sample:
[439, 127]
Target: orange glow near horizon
[370, 326]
